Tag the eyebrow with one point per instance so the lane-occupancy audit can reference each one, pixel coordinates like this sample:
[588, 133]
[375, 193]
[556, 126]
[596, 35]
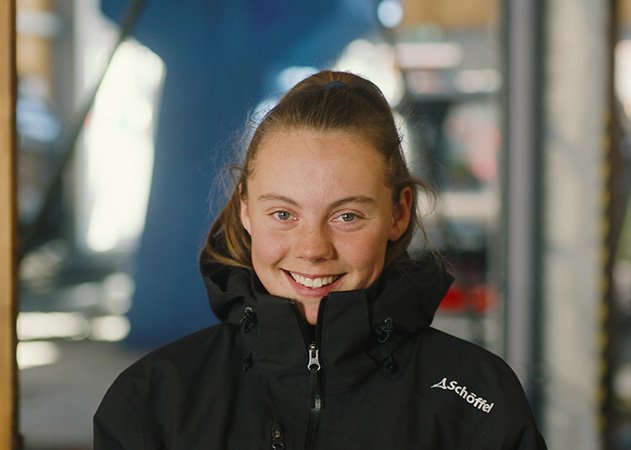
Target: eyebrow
[352, 199]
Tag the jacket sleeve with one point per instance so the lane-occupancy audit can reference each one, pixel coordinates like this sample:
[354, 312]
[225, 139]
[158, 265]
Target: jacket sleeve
[520, 431]
[506, 435]
[118, 426]
[512, 426]
[530, 439]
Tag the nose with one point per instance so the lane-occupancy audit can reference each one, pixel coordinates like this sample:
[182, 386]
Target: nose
[314, 243]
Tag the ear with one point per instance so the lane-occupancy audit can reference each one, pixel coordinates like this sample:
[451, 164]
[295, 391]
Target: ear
[401, 214]
[244, 213]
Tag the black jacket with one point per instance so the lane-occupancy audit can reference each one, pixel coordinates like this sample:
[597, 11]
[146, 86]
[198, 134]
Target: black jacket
[379, 377]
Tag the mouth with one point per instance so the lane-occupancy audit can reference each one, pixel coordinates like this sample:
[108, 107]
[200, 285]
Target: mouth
[314, 282]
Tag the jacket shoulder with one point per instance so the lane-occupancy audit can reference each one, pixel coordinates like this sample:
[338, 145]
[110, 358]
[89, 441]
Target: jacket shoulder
[477, 386]
[183, 361]
[145, 403]
[456, 359]
[213, 339]
[459, 353]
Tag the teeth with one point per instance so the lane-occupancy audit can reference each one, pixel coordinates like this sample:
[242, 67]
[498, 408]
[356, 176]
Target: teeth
[312, 282]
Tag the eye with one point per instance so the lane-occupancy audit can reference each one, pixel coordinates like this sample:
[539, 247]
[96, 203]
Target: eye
[282, 215]
[346, 217]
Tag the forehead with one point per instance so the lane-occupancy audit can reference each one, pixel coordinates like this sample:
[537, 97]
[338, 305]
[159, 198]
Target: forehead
[322, 151]
[318, 165]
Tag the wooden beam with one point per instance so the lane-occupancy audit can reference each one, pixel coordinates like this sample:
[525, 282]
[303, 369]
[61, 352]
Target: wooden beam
[451, 13]
[8, 229]
[624, 14]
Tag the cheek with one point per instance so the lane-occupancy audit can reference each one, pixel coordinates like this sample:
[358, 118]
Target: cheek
[267, 247]
[366, 251]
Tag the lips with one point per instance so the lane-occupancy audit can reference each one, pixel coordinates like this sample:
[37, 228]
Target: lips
[313, 282]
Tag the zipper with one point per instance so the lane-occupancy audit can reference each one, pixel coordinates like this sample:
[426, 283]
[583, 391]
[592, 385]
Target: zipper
[313, 366]
[278, 442]
[315, 407]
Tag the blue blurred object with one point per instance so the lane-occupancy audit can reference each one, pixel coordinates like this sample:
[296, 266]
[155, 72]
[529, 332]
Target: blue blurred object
[36, 120]
[218, 56]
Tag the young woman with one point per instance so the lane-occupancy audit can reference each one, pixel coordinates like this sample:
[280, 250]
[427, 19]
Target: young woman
[325, 340]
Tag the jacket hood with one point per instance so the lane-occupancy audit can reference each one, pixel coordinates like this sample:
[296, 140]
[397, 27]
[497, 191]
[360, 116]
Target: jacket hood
[358, 331]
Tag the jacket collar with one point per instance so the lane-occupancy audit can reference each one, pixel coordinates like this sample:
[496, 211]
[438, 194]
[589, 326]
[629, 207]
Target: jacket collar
[408, 294]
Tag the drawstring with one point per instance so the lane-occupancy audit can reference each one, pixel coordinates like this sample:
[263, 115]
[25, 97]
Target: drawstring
[247, 362]
[389, 365]
[278, 442]
[248, 321]
[384, 331]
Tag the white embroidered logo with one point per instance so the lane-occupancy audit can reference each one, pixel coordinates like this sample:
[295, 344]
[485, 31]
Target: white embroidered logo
[470, 397]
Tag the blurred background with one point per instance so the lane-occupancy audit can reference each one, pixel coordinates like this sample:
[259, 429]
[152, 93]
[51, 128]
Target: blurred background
[517, 112]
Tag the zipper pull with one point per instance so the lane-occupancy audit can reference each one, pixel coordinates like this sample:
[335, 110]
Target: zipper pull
[314, 357]
[277, 437]
[277, 440]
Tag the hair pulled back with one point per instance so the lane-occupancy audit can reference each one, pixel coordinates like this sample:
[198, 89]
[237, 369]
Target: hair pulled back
[325, 101]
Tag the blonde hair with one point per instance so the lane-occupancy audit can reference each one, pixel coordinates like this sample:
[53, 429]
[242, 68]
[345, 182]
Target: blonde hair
[325, 101]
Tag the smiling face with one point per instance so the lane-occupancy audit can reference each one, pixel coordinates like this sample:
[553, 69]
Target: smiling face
[320, 214]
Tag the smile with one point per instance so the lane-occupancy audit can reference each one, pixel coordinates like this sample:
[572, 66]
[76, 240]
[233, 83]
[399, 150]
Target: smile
[315, 282]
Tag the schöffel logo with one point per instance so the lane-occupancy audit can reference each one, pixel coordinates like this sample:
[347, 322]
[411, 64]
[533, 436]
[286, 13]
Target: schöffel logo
[470, 397]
